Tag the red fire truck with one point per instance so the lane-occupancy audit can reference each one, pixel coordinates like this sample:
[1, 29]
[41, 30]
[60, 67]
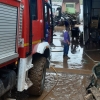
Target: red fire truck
[24, 53]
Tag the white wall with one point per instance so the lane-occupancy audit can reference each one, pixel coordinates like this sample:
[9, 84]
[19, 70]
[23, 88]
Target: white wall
[57, 3]
[81, 13]
[54, 11]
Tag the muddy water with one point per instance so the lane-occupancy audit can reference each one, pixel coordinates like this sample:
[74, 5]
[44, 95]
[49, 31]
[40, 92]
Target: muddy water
[69, 87]
[79, 59]
[59, 29]
[73, 74]
[93, 57]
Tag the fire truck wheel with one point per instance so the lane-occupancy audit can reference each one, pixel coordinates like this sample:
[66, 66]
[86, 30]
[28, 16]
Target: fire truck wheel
[37, 76]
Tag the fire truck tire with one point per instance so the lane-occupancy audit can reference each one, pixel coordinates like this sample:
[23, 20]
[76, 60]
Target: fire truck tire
[37, 76]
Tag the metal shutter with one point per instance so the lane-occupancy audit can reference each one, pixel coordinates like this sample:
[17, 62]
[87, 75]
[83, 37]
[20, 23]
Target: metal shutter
[8, 30]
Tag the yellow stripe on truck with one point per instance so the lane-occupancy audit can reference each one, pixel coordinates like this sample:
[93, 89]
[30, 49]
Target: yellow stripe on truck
[35, 42]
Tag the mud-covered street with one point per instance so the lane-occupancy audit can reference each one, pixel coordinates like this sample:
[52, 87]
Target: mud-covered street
[67, 79]
[69, 87]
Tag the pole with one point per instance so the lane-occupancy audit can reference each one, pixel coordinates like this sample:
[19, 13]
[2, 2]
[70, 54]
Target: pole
[51, 23]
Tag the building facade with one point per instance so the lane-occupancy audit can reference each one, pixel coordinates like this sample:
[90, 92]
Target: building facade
[57, 2]
[74, 6]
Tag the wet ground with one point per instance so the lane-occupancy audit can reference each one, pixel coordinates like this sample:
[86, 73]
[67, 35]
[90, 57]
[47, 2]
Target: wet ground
[68, 87]
[72, 75]
[79, 58]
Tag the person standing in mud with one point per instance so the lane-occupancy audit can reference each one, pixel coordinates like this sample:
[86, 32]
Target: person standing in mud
[66, 41]
[75, 32]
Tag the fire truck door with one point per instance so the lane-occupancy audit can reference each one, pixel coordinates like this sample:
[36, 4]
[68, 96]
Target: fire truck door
[48, 22]
[37, 20]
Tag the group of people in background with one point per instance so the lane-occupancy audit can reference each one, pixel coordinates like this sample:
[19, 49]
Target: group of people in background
[66, 42]
[74, 35]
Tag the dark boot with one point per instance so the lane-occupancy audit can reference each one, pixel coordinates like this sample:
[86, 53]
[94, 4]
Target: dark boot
[63, 56]
[68, 57]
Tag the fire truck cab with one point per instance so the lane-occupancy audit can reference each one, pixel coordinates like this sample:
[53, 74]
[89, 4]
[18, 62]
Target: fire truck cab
[24, 44]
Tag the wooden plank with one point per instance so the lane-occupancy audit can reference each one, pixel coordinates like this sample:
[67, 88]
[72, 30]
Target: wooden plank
[95, 92]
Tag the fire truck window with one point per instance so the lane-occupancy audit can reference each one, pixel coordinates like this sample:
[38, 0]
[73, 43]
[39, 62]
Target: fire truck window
[34, 9]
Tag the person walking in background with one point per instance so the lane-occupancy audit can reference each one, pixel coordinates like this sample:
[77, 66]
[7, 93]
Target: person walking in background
[66, 23]
[66, 41]
[75, 32]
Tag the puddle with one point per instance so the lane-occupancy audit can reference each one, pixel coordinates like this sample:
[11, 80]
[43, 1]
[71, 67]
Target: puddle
[78, 59]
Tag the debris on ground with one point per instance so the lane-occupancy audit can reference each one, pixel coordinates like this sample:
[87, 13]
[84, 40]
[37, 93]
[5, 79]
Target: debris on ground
[71, 18]
[95, 92]
[94, 85]
[89, 97]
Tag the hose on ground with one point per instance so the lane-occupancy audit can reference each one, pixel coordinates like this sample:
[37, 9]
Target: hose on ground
[53, 86]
